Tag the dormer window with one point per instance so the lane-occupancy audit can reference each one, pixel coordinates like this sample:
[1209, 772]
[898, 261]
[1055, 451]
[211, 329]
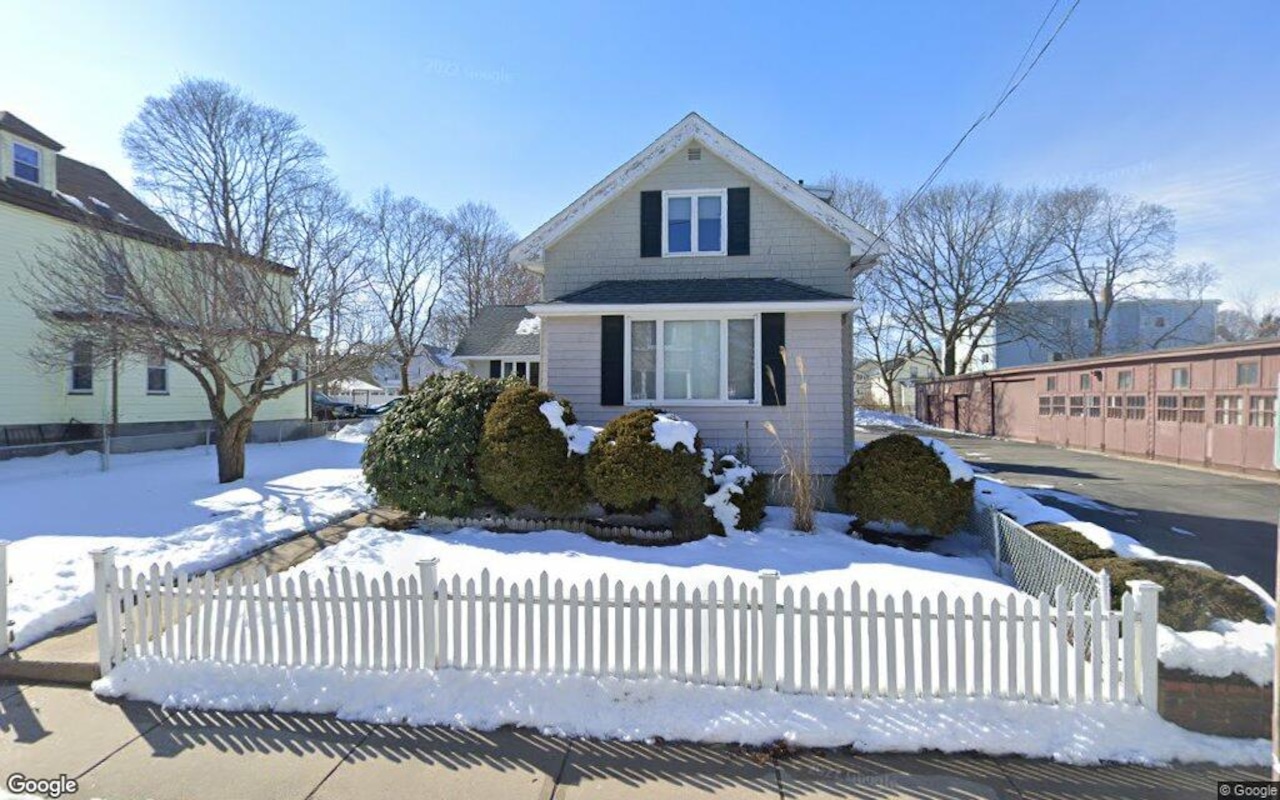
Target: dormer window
[26, 163]
[693, 223]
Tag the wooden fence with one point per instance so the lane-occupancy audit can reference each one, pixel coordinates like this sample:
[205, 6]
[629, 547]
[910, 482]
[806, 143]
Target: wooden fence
[851, 642]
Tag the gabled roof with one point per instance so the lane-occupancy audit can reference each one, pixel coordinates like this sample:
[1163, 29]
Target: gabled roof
[494, 332]
[529, 251]
[696, 290]
[16, 126]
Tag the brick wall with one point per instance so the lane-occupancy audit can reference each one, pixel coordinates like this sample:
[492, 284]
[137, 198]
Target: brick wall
[1232, 706]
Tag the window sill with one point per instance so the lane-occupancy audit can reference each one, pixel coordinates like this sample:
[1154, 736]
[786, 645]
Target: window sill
[691, 403]
[157, 394]
[81, 392]
[696, 255]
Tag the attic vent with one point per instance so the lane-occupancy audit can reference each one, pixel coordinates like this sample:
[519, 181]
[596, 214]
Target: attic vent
[695, 153]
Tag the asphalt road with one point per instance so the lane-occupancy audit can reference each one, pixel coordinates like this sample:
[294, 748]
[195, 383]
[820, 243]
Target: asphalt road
[1225, 521]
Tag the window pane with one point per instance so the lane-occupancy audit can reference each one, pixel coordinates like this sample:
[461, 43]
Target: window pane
[534, 370]
[691, 360]
[709, 224]
[742, 359]
[82, 367]
[644, 364]
[1246, 374]
[26, 163]
[521, 369]
[679, 224]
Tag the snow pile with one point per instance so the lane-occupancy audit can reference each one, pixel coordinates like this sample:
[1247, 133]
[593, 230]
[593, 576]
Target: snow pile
[579, 437]
[733, 479]
[158, 507]
[669, 431]
[1245, 648]
[358, 433]
[960, 469]
[1241, 648]
[633, 710]
[529, 327]
[883, 419]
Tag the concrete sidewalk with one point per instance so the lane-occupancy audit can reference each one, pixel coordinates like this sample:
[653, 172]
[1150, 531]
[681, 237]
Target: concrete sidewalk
[72, 656]
[132, 750]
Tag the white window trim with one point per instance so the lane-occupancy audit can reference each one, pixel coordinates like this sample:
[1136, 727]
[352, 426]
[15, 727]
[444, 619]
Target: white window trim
[13, 163]
[164, 365]
[513, 361]
[723, 194]
[71, 374]
[658, 319]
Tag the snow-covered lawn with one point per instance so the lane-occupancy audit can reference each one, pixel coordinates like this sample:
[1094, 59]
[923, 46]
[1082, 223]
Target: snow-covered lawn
[644, 708]
[863, 417]
[155, 508]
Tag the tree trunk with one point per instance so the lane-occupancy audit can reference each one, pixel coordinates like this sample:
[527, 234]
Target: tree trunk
[232, 436]
[404, 376]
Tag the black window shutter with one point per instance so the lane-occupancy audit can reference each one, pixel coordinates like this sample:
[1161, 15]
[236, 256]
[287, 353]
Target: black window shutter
[739, 215]
[651, 224]
[495, 368]
[773, 338]
[611, 343]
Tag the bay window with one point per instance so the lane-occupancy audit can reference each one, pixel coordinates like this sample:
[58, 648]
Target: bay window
[693, 222]
[693, 360]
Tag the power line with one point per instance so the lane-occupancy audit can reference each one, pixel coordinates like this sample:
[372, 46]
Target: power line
[1011, 86]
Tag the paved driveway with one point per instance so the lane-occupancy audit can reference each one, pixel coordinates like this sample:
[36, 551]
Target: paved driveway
[134, 750]
[1225, 521]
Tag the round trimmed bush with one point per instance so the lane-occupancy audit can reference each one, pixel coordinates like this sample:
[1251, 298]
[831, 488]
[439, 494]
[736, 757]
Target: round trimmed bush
[524, 461]
[422, 458]
[1193, 597]
[900, 479]
[627, 471]
[1072, 542]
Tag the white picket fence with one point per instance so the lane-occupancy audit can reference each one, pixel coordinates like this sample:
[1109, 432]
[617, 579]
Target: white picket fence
[736, 633]
[4, 596]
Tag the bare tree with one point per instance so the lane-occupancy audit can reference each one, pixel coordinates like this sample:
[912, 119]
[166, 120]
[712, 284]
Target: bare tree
[408, 263]
[221, 167]
[479, 242]
[958, 255]
[878, 336]
[239, 325]
[1249, 316]
[1113, 249]
[246, 182]
[860, 199]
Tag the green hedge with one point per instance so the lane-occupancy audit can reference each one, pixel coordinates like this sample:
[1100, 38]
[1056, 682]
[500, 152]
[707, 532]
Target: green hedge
[750, 502]
[422, 458]
[1193, 597]
[626, 471]
[523, 461]
[900, 479]
[1072, 542]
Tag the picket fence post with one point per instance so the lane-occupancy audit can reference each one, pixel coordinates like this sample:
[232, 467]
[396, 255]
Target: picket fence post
[768, 628]
[1146, 596]
[427, 585]
[1104, 590]
[4, 596]
[104, 581]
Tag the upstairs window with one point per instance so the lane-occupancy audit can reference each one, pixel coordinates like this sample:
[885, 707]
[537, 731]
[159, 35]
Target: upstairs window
[26, 163]
[693, 223]
[1180, 378]
[81, 381]
[1124, 379]
[1086, 381]
[157, 374]
[1247, 373]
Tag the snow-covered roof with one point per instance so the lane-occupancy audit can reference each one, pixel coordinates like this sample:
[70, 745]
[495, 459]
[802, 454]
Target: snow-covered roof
[529, 251]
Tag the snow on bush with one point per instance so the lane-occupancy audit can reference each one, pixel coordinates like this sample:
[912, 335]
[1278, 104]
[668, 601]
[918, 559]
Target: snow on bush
[638, 460]
[737, 500]
[669, 431]
[578, 436]
[960, 469]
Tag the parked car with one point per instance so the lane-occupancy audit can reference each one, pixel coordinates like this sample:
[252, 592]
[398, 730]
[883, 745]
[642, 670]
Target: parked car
[326, 408]
[385, 407]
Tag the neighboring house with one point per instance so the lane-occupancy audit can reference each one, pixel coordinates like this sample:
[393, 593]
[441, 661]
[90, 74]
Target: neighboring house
[44, 196]
[1043, 331]
[677, 282]
[502, 341]
[430, 360]
[870, 388]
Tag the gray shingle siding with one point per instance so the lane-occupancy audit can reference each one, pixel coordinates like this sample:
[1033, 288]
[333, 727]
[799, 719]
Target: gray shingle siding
[784, 242]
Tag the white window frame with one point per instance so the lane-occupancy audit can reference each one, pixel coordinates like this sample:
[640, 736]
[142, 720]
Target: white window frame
[659, 378]
[71, 372]
[164, 366]
[694, 194]
[13, 163]
[512, 362]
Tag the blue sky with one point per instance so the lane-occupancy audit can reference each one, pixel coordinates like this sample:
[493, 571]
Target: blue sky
[526, 106]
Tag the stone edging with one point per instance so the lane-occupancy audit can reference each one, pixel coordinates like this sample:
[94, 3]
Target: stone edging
[611, 533]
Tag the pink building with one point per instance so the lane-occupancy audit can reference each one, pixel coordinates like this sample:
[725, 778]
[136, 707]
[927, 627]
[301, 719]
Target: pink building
[1210, 406]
